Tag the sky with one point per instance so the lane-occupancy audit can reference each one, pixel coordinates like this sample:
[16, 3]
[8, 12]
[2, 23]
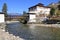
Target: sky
[18, 6]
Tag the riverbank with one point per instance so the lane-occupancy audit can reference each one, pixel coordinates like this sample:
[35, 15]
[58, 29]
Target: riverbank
[8, 22]
[2, 25]
[6, 36]
[47, 25]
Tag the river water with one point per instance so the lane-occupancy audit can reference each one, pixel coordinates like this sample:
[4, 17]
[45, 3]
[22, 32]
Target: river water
[33, 32]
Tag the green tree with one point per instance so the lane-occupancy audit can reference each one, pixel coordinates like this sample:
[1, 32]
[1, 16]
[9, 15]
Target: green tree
[52, 12]
[24, 13]
[4, 9]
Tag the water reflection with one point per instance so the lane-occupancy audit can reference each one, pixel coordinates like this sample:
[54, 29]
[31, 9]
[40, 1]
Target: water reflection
[32, 32]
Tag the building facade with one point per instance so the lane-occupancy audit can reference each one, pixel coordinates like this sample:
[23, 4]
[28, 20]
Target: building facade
[38, 13]
[2, 18]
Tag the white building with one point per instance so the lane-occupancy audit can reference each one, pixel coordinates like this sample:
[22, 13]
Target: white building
[2, 18]
[38, 13]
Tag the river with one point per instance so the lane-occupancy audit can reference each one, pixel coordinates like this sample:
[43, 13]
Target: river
[33, 32]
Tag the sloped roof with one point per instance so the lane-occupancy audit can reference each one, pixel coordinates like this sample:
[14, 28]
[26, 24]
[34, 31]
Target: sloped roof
[1, 13]
[31, 13]
[40, 5]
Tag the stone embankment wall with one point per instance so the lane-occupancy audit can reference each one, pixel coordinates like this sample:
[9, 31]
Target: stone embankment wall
[6, 36]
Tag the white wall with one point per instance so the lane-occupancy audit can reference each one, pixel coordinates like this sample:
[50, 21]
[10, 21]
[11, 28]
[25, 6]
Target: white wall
[44, 10]
[32, 18]
[39, 9]
[2, 19]
[32, 12]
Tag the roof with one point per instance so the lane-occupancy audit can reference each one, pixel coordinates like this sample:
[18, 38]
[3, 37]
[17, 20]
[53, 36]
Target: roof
[31, 13]
[40, 5]
[1, 13]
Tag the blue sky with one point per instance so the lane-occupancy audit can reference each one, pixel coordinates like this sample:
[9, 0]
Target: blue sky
[18, 6]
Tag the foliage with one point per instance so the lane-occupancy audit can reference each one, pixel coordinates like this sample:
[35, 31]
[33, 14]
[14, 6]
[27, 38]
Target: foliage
[4, 9]
[24, 12]
[52, 12]
[58, 13]
[58, 7]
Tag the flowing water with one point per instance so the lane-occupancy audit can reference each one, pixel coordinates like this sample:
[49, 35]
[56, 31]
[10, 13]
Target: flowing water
[33, 32]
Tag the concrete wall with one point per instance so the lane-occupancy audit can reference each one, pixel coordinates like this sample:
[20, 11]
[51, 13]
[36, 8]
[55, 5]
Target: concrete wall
[2, 18]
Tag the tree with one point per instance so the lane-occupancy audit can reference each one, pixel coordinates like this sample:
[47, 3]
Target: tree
[4, 9]
[24, 13]
[52, 12]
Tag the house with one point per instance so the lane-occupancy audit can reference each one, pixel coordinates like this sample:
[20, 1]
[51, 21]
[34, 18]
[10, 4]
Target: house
[38, 13]
[2, 18]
